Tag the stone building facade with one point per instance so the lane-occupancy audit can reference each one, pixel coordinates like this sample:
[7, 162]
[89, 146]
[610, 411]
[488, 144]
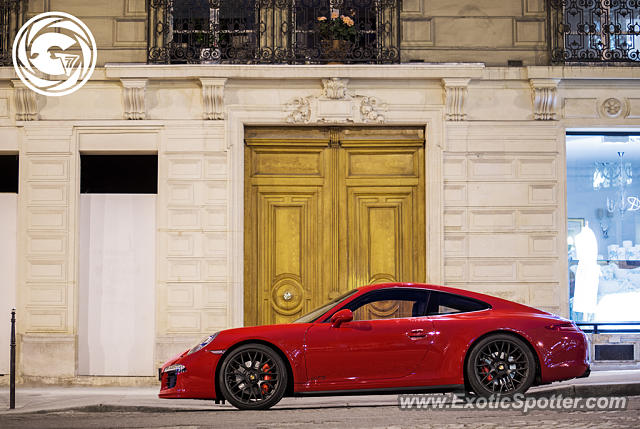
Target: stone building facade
[494, 162]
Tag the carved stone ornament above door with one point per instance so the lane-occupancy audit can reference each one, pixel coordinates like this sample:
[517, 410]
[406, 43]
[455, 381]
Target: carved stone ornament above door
[335, 104]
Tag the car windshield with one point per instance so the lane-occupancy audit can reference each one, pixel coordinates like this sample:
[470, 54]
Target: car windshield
[313, 316]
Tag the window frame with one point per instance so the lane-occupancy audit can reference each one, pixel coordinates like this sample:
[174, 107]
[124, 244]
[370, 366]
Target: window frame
[486, 304]
[428, 292]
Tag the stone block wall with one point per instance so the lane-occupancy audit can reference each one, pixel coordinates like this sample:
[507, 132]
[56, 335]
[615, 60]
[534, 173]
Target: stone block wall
[119, 26]
[485, 31]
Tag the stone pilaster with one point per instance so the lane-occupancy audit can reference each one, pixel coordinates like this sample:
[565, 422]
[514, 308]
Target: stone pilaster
[46, 250]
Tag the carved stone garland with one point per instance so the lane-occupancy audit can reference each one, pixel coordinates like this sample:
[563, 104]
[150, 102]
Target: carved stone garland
[335, 104]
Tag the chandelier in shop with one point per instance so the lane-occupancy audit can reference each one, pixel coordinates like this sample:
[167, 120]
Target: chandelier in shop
[616, 175]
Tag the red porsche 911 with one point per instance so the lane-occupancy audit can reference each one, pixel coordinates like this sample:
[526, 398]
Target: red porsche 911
[386, 338]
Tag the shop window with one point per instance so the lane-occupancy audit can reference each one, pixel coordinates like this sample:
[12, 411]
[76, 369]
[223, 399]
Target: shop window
[603, 210]
[117, 265]
[8, 249]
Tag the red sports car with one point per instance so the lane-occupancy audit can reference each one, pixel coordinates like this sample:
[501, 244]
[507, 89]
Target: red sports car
[391, 338]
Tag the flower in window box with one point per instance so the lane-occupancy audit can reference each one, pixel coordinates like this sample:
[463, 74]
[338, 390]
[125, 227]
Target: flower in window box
[337, 27]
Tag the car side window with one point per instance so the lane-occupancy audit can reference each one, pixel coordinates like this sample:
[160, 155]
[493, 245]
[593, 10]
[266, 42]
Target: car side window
[449, 303]
[389, 304]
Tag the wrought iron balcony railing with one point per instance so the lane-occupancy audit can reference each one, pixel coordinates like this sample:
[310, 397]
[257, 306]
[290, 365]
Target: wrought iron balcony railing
[11, 18]
[273, 31]
[590, 31]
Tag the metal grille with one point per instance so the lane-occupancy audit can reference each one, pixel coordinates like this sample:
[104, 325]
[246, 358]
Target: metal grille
[273, 31]
[11, 18]
[588, 31]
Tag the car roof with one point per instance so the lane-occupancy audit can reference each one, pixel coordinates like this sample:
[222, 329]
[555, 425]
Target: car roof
[495, 302]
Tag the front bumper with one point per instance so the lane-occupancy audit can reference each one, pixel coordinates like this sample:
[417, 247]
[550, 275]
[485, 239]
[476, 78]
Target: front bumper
[195, 381]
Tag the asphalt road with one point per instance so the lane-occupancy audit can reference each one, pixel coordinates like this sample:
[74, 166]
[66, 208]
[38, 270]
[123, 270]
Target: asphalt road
[361, 416]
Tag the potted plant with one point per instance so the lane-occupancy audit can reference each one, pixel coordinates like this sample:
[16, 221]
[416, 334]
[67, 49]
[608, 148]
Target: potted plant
[337, 34]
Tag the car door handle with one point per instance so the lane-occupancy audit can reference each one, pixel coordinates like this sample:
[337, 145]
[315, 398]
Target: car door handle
[417, 333]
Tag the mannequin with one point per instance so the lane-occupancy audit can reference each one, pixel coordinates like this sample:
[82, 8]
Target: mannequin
[585, 297]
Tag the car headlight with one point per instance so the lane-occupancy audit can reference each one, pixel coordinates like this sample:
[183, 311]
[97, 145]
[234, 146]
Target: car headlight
[175, 367]
[202, 344]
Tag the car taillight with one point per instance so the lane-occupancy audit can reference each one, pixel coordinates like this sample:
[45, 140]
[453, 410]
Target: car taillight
[563, 327]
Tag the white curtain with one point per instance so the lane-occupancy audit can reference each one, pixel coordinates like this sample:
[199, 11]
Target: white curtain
[116, 332]
[8, 227]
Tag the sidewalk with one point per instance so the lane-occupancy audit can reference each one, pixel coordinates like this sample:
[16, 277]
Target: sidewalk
[42, 399]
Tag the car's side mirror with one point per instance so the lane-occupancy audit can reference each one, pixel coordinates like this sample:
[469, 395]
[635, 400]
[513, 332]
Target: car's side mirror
[341, 317]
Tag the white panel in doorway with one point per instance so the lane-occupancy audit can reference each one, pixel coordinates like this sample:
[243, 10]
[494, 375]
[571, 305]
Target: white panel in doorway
[8, 228]
[116, 329]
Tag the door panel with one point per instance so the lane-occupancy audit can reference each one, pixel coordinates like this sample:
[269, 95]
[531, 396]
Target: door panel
[288, 251]
[328, 210]
[363, 351]
[380, 247]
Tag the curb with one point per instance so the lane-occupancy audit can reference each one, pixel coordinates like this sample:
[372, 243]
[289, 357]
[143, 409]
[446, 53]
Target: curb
[586, 390]
[106, 408]
[579, 390]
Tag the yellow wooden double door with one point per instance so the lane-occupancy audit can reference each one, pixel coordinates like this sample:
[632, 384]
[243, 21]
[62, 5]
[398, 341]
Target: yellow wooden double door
[328, 210]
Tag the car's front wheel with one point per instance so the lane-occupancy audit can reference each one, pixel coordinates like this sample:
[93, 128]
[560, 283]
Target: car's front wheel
[253, 377]
[500, 364]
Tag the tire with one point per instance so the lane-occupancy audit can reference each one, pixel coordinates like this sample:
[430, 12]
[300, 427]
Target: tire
[253, 377]
[500, 364]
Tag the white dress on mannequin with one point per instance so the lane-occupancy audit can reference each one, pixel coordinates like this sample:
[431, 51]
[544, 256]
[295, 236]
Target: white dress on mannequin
[585, 296]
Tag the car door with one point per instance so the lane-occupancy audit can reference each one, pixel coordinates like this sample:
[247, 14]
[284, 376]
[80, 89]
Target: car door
[386, 340]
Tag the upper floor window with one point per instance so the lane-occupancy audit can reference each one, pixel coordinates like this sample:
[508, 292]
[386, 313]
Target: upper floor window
[273, 31]
[11, 18]
[595, 30]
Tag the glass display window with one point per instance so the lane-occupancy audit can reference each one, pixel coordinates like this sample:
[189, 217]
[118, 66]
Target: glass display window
[603, 226]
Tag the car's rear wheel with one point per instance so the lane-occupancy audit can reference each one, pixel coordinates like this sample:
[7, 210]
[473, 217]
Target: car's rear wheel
[253, 377]
[500, 364]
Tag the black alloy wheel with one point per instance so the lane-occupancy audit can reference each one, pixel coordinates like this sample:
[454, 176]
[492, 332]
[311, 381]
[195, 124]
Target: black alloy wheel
[500, 364]
[253, 377]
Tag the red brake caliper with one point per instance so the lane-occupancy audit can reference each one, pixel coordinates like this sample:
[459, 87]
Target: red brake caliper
[485, 370]
[265, 386]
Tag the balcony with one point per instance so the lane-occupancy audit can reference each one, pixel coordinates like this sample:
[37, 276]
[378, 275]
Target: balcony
[594, 31]
[273, 31]
[11, 18]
